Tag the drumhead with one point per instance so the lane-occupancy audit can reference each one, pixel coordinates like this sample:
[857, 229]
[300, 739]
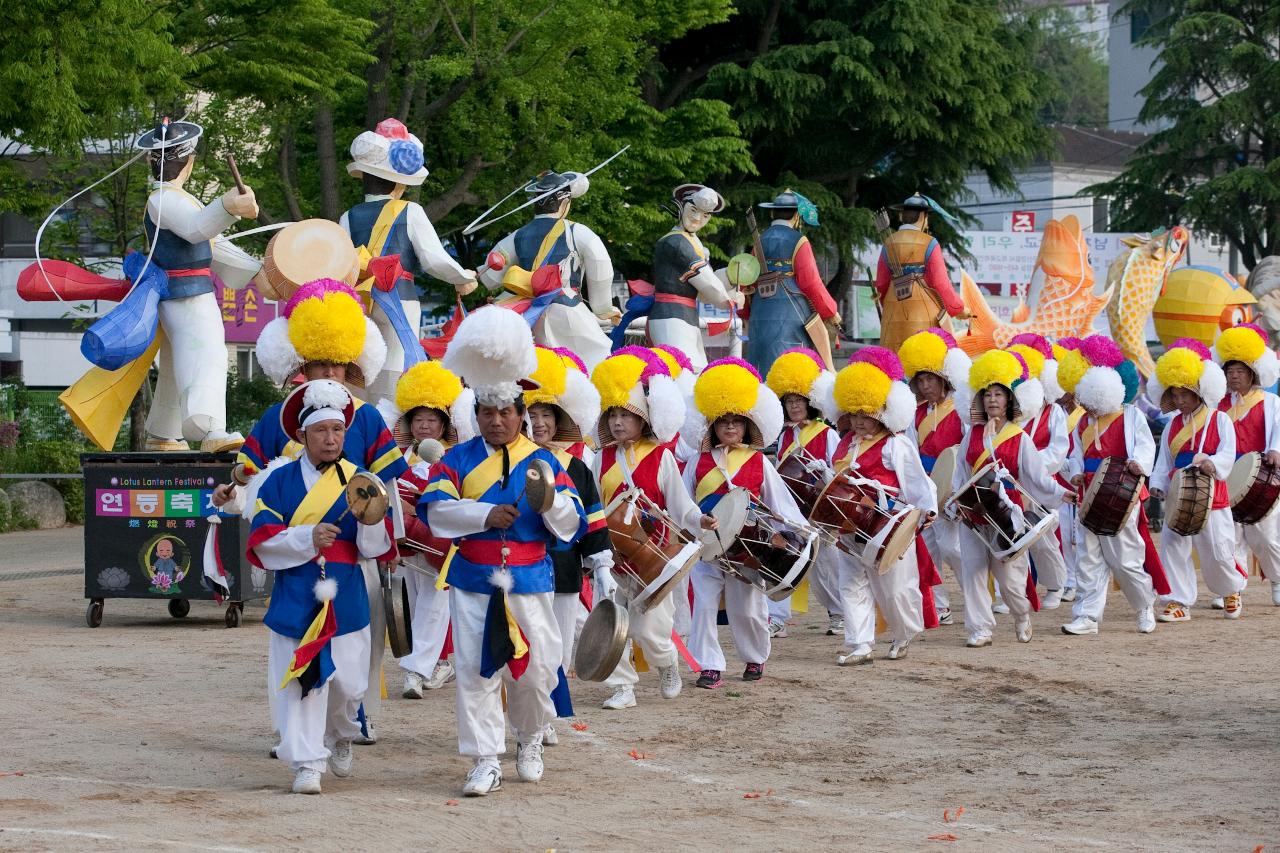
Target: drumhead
[944, 469]
[1243, 474]
[731, 513]
[306, 251]
[676, 570]
[796, 573]
[897, 537]
[602, 641]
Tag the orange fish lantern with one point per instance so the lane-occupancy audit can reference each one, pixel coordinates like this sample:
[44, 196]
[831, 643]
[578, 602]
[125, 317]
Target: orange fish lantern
[1199, 302]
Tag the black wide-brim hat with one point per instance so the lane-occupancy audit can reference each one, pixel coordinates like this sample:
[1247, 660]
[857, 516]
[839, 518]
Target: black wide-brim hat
[916, 202]
[782, 201]
[172, 135]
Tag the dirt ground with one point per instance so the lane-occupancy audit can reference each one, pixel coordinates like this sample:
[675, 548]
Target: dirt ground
[151, 733]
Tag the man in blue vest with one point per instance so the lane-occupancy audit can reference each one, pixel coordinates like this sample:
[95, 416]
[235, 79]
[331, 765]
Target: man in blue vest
[552, 238]
[388, 159]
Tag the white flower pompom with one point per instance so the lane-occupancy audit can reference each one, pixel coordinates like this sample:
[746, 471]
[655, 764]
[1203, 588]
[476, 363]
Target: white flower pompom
[370, 148]
[325, 394]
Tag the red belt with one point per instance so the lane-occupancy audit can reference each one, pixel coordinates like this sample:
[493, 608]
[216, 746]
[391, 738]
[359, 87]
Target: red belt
[488, 552]
[677, 300]
[341, 551]
[187, 273]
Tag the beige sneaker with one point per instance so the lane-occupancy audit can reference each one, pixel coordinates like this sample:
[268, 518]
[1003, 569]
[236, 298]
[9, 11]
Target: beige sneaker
[1232, 606]
[165, 445]
[1174, 612]
[222, 442]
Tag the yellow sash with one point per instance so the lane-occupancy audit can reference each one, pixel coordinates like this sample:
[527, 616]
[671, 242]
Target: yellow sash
[937, 416]
[1093, 432]
[693, 241]
[517, 280]
[1246, 404]
[373, 249]
[853, 453]
[1009, 430]
[1074, 418]
[807, 434]
[612, 480]
[1189, 429]
[735, 458]
[322, 496]
[488, 472]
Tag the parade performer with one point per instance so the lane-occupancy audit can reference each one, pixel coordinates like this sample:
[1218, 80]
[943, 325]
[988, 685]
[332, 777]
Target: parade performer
[1188, 381]
[790, 291]
[1070, 533]
[993, 434]
[642, 408]
[559, 317]
[1249, 363]
[740, 417]
[501, 582]
[911, 263]
[562, 411]
[798, 378]
[682, 275]
[305, 532]
[389, 159]
[880, 407]
[431, 413]
[1105, 384]
[1047, 426]
[935, 367]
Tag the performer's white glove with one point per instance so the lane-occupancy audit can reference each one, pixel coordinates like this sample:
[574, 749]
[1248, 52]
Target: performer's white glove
[243, 205]
[605, 585]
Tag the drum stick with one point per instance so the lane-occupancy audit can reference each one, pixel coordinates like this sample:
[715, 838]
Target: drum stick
[235, 174]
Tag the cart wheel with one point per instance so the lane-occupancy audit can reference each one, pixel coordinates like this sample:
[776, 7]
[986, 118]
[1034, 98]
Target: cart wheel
[93, 616]
[179, 607]
[233, 615]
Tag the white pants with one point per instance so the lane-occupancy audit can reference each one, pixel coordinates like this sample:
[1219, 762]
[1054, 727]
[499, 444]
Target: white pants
[565, 608]
[191, 388]
[976, 563]
[652, 631]
[683, 619]
[686, 337]
[481, 727]
[577, 329]
[1072, 540]
[748, 618]
[779, 611]
[1263, 540]
[1215, 545]
[310, 725]
[384, 384]
[1103, 557]
[377, 636]
[942, 538]
[429, 621]
[824, 581]
[1051, 568]
[896, 592]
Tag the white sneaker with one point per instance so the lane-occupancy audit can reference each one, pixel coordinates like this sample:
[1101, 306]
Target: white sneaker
[549, 736]
[669, 678]
[484, 778]
[835, 625]
[1023, 630]
[412, 686]
[1068, 593]
[855, 656]
[1000, 607]
[1146, 621]
[1052, 599]
[1275, 593]
[1232, 606]
[341, 759]
[777, 629]
[623, 697]
[306, 781]
[441, 675]
[1217, 603]
[529, 761]
[945, 617]
[1080, 626]
[979, 641]
[898, 649]
[367, 739]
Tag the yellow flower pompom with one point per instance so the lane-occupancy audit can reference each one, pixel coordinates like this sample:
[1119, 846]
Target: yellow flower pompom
[550, 376]
[792, 373]
[1071, 367]
[922, 351]
[615, 377]
[428, 384]
[862, 388]
[994, 367]
[673, 366]
[1059, 352]
[1180, 368]
[328, 328]
[1240, 343]
[1033, 358]
[725, 389]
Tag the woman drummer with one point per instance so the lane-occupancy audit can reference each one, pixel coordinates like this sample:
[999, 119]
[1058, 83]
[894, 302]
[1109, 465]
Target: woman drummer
[993, 435]
[431, 413]
[561, 411]
[1105, 384]
[797, 377]
[880, 407]
[935, 367]
[642, 409]
[1188, 382]
[741, 418]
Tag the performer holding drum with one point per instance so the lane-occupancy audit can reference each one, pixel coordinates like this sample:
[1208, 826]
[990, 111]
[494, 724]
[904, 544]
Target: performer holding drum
[1113, 453]
[878, 473]
[646, 499]
[1197, 451]
[998, 490]
[935, 367]
[1069, 531]
[1250, 366]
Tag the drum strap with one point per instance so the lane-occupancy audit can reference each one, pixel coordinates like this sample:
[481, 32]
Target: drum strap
[1009, 430]
[1095, 429]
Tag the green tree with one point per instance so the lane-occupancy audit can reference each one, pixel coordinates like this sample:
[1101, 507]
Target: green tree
[1074, 63]
[1215, 97]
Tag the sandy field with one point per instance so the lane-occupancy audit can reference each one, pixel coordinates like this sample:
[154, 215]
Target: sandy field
[151, 733]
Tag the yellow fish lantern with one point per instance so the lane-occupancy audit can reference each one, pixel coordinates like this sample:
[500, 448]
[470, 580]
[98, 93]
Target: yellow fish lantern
[1199, 302]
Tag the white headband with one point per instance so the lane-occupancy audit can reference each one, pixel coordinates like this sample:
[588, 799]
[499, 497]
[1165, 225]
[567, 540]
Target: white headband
[315, 416]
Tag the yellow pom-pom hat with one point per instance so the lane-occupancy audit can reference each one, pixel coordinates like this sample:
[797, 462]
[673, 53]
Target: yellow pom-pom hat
[429, 385]
[1009, 371]
[800, 371]
[731, 386]
[322, 322]
[872, 384]
[564, 387]
[1248, 344]
[934, 351]
[1187, 363]
[637, 380]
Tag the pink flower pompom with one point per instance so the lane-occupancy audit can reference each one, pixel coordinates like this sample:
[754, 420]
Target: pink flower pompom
[1195, 346]
[392, 128]
[316, 290]
[1069, 343]
[653, 366]
[1262, 333]
[946, 336]
[1039, 343]
[1026, 372]
[883, 358]
[731, 360]
[1101, 351]
[565, 352]
[680, 357]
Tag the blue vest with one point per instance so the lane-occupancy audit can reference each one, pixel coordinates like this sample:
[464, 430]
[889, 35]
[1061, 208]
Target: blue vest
[528, 240]
[360, 222]
[779, 242]
[174, 253]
